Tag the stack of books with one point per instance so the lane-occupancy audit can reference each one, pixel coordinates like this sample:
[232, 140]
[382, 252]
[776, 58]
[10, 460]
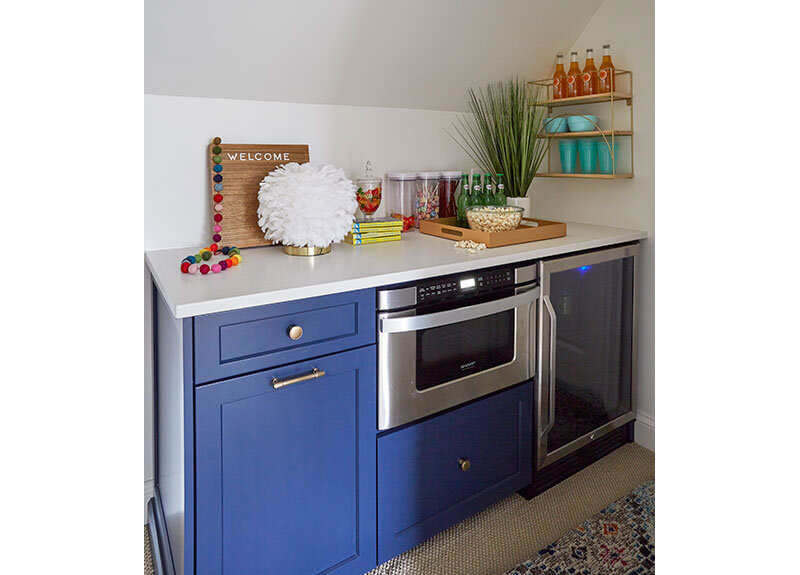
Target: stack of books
[374, 231]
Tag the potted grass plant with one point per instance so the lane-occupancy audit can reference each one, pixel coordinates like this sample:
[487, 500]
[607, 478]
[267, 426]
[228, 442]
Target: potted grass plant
[502, 134]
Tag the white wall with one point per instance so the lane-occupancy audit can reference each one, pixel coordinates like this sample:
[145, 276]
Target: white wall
[409, 54]
[629, 26]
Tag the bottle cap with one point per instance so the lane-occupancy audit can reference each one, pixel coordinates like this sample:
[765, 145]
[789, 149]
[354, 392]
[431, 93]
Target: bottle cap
[589, 50]
[451, 175]
[573, 53]
[606, 45]
[559, 55]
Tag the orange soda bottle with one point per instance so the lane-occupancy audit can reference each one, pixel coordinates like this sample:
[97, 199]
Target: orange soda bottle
[589, 75]
[605, 76]
[573, 76]
[559, 78]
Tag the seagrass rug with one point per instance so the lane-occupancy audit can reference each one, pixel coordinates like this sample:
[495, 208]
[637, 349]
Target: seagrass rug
[618, 540]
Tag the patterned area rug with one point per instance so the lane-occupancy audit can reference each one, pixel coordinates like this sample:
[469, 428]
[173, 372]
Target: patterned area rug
[618, 540]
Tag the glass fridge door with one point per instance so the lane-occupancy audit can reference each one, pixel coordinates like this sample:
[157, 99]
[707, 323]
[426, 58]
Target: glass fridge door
[587, 349]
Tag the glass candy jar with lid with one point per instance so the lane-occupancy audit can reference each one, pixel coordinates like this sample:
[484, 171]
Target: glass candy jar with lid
[401, 192]
[426, 196]
[368, 192]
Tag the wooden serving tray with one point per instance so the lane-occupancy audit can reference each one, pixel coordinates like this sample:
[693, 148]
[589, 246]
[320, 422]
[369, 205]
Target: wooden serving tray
[447, 228]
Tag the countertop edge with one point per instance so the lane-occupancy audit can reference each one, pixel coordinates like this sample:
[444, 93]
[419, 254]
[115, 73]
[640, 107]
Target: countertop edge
[256, 299]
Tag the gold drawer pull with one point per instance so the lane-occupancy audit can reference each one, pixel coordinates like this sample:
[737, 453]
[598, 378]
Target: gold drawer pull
[295, 332]
[315, 373]
[464, 464]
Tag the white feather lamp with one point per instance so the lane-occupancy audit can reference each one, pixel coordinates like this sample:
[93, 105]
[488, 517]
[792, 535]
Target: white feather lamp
[306, 207]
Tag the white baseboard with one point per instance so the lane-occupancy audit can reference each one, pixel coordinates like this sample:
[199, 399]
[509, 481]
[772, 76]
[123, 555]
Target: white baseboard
[644, 430]
[149, 488]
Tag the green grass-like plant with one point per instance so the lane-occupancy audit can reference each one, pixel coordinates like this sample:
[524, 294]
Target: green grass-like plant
[501, 133]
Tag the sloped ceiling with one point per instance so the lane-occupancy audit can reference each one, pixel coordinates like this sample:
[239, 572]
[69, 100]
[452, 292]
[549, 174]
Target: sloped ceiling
[402, 53]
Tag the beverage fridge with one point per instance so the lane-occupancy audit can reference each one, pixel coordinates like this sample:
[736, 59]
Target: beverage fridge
[585, 389]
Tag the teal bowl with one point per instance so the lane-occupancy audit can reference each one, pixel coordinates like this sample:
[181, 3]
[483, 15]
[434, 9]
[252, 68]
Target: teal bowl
[555, 125]
[582, 123]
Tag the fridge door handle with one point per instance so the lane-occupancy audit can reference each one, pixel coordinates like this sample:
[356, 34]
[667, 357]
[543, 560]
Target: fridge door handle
[551, 376]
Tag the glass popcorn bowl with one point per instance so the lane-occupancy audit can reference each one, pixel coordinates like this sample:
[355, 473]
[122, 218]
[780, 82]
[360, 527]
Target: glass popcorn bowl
[494, 218]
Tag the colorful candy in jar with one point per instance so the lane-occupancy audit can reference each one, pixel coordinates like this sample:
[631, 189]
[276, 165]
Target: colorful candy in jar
[427, 196]
[369, 198]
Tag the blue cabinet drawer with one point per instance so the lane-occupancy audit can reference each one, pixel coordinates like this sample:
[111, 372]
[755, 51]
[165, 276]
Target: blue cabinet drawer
[241, 341]
[285, 477]
[424, 482]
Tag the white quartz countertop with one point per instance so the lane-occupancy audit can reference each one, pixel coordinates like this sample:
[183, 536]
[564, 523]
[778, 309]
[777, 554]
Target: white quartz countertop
[267, 275]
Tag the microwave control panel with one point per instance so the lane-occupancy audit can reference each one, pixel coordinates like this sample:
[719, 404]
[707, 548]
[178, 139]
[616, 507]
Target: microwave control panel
[464, 285]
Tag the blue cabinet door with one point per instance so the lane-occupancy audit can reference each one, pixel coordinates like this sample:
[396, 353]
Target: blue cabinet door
[285, 478]
[436, 473]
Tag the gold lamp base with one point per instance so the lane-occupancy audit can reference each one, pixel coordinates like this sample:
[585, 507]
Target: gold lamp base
[306, 250]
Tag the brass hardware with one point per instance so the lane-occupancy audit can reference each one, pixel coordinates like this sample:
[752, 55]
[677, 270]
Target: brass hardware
[464, 464]
[306, 250]
[592, 436]
[315, 373]
[295, 332]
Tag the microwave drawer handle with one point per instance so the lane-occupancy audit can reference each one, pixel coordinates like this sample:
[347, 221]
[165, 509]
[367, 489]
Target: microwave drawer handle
[438, 319]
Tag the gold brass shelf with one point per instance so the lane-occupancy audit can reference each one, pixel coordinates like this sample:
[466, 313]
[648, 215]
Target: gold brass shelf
[595, 133]
[586, 176]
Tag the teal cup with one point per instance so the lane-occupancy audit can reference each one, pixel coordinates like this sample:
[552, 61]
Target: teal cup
[568, 150]
[587, 148]
[604, 162]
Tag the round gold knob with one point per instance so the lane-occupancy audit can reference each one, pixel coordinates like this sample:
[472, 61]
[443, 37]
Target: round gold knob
[295, 332]
[465, 464]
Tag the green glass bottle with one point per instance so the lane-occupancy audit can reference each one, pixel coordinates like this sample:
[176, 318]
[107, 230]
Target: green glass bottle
[463, 200]
[488, 190]
[500, 198]
[477, 191]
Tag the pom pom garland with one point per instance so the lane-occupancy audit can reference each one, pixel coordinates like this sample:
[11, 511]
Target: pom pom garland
[189, 264]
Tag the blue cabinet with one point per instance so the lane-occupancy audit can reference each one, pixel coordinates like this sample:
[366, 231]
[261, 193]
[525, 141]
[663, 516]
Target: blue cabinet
[433, 474]
[285, 478]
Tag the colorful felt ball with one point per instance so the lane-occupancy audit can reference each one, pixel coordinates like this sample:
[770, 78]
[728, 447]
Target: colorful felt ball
[190, 259]
[216, 149]
[234, 250]
[217, 198]
[216, 237]
[218, 168]
[225, 250]
[206, 256]
[217, 228]
[217, 177]
[204, 269]
[230, 263]
[185, 266]
[217, 217]
[237, 258]
[223, 265]
[216, 269]
[213, 247]
[218, 207]
[218, 187]
[216, 159]
[234, 261]
[217, 141]
[192, 269]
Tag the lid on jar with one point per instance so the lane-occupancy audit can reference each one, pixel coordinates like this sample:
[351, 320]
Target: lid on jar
[428, 175]
[369, 182]
[452, 175]
[401, 175]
